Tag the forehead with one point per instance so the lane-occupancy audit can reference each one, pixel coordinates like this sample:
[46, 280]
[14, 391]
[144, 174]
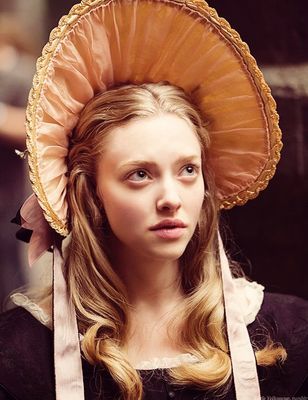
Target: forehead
[159, 136]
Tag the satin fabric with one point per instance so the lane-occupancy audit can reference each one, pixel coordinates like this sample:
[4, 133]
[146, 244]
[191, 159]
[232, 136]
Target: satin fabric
[32, 218]
[244, 366]
[67, 360]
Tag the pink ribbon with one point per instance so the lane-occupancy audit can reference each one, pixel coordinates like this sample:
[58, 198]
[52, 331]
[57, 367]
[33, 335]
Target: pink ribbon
[68, 367]
[32, 218]
[67, 357]
[244, 367]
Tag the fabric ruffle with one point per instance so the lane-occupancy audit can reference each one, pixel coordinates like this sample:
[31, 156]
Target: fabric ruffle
[251, 295]
[21, 300]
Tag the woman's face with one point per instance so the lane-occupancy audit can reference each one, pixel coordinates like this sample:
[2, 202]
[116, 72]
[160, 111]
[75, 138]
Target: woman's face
[150, 182]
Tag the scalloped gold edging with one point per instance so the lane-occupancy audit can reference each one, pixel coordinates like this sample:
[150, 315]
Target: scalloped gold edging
[200, 6]
[49, 49]
[268, 101]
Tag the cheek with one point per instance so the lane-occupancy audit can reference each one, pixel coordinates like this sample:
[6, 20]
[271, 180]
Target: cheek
[122, 211]
[196, 201]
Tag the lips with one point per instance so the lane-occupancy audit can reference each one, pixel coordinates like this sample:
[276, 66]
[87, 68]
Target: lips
[168, 224]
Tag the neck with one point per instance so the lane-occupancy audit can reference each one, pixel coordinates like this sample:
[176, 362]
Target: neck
[154, 293]
[150, 283]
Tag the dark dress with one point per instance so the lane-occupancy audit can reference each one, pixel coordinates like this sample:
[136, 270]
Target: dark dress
[26, 359]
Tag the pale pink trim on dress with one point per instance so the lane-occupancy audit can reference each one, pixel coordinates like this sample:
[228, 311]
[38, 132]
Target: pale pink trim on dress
[38, 313]
[167, 362]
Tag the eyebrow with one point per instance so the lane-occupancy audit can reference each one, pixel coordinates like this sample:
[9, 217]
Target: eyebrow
[147, 163]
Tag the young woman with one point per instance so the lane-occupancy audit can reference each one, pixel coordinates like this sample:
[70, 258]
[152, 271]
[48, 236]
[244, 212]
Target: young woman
[135, 181]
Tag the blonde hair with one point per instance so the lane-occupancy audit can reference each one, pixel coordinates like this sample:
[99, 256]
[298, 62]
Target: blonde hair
[98, 293]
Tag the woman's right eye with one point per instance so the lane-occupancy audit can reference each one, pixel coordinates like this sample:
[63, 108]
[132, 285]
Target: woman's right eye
[138, 176]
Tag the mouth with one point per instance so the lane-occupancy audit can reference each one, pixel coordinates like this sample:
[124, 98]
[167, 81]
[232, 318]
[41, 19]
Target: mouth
[168, 224]
[169, 229]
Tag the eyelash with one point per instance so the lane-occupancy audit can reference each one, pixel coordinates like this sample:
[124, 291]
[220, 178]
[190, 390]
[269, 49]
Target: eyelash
[195, 167]
[135, 172]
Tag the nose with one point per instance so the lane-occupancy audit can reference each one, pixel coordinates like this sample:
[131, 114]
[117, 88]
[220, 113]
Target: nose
[168, 198]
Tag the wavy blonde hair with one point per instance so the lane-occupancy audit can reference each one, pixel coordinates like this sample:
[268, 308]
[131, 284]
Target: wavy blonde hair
[95, 289]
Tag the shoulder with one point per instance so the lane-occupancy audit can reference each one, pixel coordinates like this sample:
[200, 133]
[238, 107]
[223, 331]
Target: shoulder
[21, 331]
[26, 366]
[285, 319]
[284, 305]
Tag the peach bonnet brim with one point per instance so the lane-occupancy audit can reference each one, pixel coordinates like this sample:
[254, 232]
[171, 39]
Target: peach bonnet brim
[102, 43]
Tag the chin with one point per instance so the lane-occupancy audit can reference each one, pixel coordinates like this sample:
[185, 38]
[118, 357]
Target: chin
[172, 253]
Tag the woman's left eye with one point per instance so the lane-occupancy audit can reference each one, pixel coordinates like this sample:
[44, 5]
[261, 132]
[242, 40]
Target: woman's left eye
[190, 170]
[138, 176]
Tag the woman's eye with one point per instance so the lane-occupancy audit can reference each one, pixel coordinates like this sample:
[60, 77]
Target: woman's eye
[190, 170]
[138, 176]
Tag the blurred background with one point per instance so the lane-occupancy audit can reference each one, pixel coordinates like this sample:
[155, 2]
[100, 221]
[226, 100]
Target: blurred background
[269, 235]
